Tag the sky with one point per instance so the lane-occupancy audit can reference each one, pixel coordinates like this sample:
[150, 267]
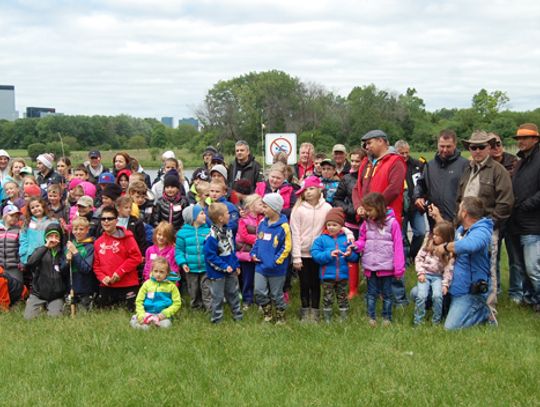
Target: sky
[152, 58]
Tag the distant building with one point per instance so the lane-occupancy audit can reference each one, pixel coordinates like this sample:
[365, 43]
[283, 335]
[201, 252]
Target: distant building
[168, 121]
[189, 120]
[7, 103]
[39, 111]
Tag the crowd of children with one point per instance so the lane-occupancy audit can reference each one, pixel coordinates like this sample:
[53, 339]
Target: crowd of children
[109, 238]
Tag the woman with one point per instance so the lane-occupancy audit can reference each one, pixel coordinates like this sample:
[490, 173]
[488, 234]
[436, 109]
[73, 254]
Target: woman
[63, 167]
[121, 161]
[277, 183]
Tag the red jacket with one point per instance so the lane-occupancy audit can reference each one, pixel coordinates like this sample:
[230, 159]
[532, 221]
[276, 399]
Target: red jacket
[117, 254]
[386, 176]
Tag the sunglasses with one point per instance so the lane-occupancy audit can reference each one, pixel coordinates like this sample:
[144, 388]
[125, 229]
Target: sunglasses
[107, 219]
[497, 144]
[478, 147]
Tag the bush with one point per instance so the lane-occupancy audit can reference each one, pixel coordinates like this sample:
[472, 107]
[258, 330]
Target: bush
[58, 149]
[36, 149]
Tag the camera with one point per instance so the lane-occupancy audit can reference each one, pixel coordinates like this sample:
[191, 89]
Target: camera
[426, 205]
[479, 287]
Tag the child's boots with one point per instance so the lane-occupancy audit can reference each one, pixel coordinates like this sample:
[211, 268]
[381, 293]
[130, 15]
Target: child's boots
[304, 314]
[327, 313]
[280, 316]
[267, 312]
[315, 314]
[343, 314]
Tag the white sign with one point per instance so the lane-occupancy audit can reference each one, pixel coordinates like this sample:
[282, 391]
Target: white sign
[276, 143]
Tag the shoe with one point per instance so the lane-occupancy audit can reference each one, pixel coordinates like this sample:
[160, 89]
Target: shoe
[280, 317]
[286, 297]
[372, 323]
[267, 312]
[304, 314]
[327, 313]
[343, 315]
[315, 315]
[386, 322]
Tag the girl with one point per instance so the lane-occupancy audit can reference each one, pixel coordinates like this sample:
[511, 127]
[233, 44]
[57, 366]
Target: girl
[12, 195]
[307, 222]
[122, 179]
[9, 242]
[15, 170]
[434, 272]
[277, 183]
[163, 246]
[33, 232]
[63, 167]
[381, 243]
[245, 239]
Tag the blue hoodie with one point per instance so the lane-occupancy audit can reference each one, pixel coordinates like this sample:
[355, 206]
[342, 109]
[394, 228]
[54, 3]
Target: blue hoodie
[472, 256]
[219, 252]
[272, 247]
[234, 215]
[332, 268]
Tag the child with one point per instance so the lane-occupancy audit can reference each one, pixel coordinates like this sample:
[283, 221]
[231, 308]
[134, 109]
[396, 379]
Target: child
[122, 179]
[138, 191]
[189, 256]
[158, 298]
[307, 222]
[381, 243]
[48, 280]
[271, 253]
[124, 205]
[245, 239]
[33, 232]
[203, 194]
[57, 209]
[329, 179]
[9, 242]
[200, 176]
[12, 195]
[434, 272]
[217, 193]
[163, 239]
[169, 206]
[319, 157]
[11, 290]
[332, 251]
[221, 263]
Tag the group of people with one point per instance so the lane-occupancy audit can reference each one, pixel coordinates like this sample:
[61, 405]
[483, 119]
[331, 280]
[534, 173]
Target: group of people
[238, 235]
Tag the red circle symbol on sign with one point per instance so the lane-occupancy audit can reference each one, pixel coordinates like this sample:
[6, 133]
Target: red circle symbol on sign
[280, 145]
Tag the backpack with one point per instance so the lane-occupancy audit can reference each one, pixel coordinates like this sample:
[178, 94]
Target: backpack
[11, 290]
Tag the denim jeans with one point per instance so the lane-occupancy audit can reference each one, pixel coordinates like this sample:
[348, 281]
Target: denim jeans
[375, 287]
[248, 276]
[524, 259]
[417, 221]
[467, 310]
[433, 282]
[268, 289]
[226, 287]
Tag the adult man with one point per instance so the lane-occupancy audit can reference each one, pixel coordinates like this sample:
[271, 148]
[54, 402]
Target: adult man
[469, 287]
[94, 166]
[339, 155]
[116, 257]
[523, 235]
[411, 214]
[383, 172]
[244, 166]
[4, 161]
[488, 180]
[439, 181]
[305, 166]
[343, 199]
[507, 160]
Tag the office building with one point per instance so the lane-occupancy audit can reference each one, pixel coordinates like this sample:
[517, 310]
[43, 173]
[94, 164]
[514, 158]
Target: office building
[7, 103]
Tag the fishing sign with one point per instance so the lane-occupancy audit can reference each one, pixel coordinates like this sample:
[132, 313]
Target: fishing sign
[276, 143]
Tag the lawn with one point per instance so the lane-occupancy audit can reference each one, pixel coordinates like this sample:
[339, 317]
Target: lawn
[97, 359]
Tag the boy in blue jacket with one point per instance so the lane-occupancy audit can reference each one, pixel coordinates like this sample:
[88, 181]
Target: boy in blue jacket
[222, 267]
[332, 252]
[217, 193]
[271, 253]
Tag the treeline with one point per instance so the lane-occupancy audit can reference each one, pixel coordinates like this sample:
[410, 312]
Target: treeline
[249, 105]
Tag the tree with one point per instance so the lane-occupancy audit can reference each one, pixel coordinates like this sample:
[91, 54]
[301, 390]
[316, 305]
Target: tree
[487, 105]
[36, 149]
[159, 137]
[137, 142]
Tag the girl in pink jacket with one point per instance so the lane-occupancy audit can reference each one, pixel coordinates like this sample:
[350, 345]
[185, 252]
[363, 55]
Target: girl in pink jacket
[163, 246]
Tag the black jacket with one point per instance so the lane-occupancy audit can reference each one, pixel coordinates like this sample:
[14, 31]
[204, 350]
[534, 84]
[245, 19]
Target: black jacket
[343, 196]
[439, 183]
[525, 218]
[169, 210]
[48, 279]
[252, 171]
[414, 172]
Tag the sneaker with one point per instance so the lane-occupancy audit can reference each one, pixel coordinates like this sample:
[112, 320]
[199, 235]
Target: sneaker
[372, 323]
[386, 322]
[492, 318]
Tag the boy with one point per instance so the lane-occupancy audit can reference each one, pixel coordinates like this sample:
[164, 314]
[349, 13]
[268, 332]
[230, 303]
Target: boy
[329, 179]
[57, 208]
[81, 172]
[271, 253]
[217, 193]
[158, 299]
[222, 266]
[169, 206]
[124, 205]
[80, 253]
[48, 280]
[189, 255]
[332, 252]
[319, 157]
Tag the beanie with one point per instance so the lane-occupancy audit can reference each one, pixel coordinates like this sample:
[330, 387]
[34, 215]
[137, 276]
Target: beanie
[191, 212]
[53, 228]
[171, 179]
[46, 159]
[335, 215]
[112, 191]
[274, 201]
[32, 190]
[220, 169]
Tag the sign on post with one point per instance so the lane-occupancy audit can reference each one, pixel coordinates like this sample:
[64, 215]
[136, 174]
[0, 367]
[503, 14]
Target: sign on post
[276, 143]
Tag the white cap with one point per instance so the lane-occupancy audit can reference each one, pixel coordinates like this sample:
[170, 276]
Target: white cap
[168, 154]
[4, 153]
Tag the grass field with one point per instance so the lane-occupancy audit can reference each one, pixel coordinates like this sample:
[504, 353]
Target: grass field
[97, 359]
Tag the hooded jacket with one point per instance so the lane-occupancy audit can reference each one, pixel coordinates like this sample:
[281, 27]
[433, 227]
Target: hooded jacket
[272, 247]
[84, 279]
[219, 252]
[332, 268]
[152, 252]
[32, 237]
[155, 297]
[169, 209]
[9, 247]
[189, 247]
[286, 191]
[117, 253]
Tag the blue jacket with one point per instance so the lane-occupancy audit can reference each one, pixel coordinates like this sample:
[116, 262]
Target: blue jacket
[189, 247]
[272, 247]
[332, 268]
[219, 252]
[234, 215]
[472, 256]
[32, 236]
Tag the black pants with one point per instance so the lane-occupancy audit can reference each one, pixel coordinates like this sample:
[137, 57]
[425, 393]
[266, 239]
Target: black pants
[122, 296]
[310, 285]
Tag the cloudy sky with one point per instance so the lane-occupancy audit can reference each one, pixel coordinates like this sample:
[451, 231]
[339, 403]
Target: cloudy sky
[153, 58]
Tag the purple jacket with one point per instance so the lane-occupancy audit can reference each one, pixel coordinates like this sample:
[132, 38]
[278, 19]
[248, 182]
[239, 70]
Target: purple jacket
[382, 248]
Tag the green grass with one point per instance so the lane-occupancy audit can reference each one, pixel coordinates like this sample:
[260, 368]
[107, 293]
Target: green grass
[97, 359]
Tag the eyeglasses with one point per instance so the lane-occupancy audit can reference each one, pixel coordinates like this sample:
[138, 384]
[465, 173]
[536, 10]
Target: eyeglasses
[107, 219]
[478, 147]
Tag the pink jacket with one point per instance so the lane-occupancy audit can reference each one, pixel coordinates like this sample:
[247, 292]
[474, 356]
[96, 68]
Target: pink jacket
[244, 239]
[429, 263]
[152, 252]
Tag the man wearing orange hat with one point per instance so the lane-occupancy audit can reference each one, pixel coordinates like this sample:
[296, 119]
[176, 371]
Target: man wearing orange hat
[523, 235]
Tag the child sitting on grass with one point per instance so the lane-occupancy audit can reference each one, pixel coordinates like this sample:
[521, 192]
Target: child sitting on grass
[332, 252]
[222, 266]
[158, 298]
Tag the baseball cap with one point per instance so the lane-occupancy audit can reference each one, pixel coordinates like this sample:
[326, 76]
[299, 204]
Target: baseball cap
[94, 154]
[339, 148]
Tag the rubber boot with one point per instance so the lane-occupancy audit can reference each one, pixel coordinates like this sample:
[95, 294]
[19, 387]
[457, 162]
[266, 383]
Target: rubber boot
[327, 313]
[354, 269]
[280, 316]
[315, 314]
[267, 312]
[343, 314]
[304, 314]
